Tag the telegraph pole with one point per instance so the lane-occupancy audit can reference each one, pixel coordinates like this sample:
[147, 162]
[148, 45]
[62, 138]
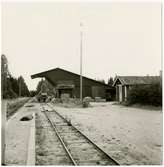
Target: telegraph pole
[161, 34]
[81, 53]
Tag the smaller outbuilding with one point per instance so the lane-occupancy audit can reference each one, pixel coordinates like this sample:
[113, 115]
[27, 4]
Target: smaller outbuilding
[124, 83]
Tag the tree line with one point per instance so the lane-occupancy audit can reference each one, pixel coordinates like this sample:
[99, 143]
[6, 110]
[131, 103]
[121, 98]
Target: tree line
[11, 87]
[109, 82]
[45, 86]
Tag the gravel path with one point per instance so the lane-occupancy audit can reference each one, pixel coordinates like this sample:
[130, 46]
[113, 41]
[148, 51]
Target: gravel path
[130, 135]
[49, 150]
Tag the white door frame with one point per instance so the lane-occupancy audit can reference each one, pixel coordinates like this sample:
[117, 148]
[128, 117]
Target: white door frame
[125, 93]
[120, 92]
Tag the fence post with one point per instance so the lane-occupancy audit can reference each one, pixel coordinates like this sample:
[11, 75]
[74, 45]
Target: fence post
[3, 130]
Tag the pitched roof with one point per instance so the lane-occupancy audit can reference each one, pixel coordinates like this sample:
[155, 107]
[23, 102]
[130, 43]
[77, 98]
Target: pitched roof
[42, 74]
[135, 80]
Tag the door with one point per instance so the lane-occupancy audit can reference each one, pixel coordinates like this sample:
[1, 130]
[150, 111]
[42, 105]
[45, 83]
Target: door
[65, 93]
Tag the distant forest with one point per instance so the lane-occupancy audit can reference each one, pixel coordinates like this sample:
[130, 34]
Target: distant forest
[109, 82]
[11, 87]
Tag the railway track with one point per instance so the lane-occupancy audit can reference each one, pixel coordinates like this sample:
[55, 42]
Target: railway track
[78, 147]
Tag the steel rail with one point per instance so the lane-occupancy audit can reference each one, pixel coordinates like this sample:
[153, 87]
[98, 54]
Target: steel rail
[113, 160]
[58, 135]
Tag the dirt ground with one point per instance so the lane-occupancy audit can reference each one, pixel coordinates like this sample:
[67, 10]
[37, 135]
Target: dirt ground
[132, 136]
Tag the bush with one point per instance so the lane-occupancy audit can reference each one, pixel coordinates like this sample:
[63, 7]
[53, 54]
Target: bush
[146, 94]
[86, 102]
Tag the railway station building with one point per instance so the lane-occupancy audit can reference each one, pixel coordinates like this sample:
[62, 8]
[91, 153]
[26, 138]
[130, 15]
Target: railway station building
[67, 83]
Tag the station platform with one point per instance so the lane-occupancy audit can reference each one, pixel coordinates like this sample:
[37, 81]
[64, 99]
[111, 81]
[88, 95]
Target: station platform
[20, 136]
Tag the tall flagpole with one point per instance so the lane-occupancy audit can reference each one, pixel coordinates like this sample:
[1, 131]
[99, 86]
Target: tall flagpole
[81, 53]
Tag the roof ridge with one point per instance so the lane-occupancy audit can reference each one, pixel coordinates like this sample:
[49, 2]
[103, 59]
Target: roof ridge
[138, 76]
[33, 76]
[130, 80]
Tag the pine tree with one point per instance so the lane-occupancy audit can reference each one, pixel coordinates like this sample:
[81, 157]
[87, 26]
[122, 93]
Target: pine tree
[23, 89]
[110, 81]
[11, 87]
[45, 86]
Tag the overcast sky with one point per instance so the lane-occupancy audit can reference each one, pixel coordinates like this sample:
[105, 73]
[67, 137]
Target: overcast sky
[119, 38]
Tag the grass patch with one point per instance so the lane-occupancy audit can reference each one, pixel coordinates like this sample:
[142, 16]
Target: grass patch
[40, 138]
[13, 107]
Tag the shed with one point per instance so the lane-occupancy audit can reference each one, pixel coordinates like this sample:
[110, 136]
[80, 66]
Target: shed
[124, 83]
[68, 83]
